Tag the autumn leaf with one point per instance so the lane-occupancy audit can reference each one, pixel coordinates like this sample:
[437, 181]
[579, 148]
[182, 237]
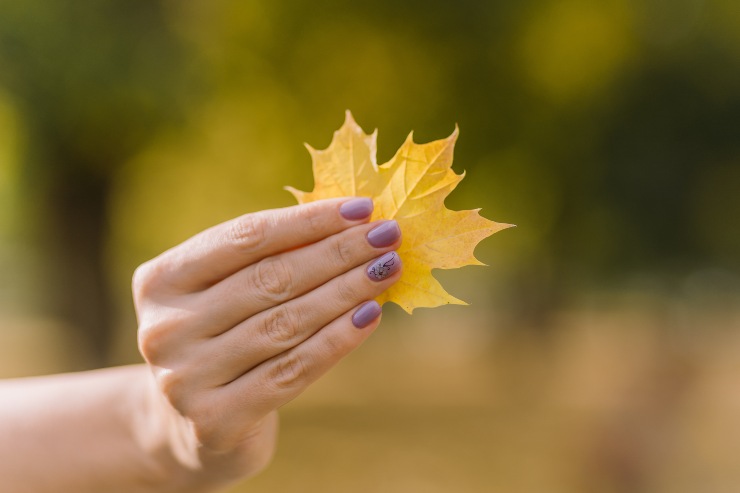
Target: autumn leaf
[410, 188]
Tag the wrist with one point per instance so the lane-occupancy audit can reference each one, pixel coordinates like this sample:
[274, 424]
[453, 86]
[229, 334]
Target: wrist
[169, 459]
[177, 462]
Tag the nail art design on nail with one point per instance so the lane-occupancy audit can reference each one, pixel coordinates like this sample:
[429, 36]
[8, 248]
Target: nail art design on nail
[384, 266]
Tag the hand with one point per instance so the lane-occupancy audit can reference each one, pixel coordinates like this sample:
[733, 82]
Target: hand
[241, 318]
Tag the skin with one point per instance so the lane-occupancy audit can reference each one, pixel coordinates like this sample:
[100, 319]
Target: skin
[233, 323]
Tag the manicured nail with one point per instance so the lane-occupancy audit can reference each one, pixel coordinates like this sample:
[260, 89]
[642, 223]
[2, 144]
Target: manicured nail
[385, 234]
[355, 209]
[366, 313]
[384, 266]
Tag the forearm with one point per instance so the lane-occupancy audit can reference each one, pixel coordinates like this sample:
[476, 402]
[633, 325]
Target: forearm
[85, 432]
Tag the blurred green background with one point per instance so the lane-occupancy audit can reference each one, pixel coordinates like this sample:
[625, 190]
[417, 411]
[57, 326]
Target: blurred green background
[601, 350]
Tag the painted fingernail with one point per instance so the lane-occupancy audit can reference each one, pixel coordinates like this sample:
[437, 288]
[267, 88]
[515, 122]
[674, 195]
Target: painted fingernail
[385, 266]
[355, 209]
[366, 313]
[385, 234]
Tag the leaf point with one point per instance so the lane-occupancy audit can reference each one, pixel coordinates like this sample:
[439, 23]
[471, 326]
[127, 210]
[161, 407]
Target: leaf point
[478, 262]
[298, 194]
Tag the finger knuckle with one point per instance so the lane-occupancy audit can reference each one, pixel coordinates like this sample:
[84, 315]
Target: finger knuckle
[145, 280]
[173, 385]
[248, 233]
[290, 371]
[157, 333]
[337, 346]
[273, 279]
[313, 217]
[152, 341]
[348, 293]
[343, 251]
[279, 326]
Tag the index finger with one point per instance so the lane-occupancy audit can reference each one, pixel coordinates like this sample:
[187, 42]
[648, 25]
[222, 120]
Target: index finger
[220, 251]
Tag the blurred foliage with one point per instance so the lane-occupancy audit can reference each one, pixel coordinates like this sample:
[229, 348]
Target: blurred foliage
[95, 80]
[607, 131]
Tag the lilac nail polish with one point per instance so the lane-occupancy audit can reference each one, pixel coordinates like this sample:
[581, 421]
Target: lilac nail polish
[385, 266]
[355, 209]
[384, 234]
[366, 313]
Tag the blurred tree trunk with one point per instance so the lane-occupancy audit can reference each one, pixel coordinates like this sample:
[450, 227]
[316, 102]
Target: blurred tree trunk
[94, 84]
[76, 227]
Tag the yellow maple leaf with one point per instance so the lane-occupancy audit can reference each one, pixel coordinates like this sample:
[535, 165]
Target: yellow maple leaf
[410, 188]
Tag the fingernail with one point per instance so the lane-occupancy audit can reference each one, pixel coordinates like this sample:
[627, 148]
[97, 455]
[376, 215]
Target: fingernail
[385, 234]
[366, 313]
[355, 209]
[384, 266]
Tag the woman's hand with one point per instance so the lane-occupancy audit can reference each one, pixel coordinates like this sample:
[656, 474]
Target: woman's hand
[241, 318]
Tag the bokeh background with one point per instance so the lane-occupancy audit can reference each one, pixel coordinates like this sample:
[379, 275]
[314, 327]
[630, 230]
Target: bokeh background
[601, 350]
